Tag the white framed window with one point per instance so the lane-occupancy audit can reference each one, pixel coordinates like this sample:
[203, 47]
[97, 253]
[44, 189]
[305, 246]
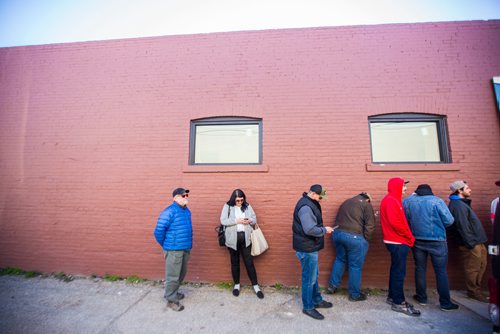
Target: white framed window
[409, 138]
[226, 141]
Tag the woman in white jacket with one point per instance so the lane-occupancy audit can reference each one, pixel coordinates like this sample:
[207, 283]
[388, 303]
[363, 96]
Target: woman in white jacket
[239, 218]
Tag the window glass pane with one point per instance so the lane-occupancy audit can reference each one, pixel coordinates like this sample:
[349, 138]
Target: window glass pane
[405, 142]
[227, 143]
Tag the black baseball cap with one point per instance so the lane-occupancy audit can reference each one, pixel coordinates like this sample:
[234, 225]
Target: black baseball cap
[180, 191]
[318, 189]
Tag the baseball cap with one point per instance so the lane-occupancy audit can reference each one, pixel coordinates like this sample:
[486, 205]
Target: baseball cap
[318, 189]
[459, 184]
[180, 191]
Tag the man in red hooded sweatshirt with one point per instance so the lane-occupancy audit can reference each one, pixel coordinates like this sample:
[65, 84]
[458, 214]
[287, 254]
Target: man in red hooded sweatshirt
[398, 239]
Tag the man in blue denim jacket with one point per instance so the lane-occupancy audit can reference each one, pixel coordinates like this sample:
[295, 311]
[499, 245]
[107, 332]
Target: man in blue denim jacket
[428, 217]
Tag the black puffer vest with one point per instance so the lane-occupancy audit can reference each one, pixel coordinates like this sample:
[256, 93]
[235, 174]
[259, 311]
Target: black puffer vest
[301, 241]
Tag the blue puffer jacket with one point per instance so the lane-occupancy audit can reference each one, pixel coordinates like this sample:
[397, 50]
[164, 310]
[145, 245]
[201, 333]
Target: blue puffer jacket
[174, 230]
[428, 217]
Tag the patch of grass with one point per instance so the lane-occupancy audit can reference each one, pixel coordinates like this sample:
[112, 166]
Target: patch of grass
[134, 279]
[63, 277]
[31, 274]
[278, 286]
[112, 278]
[224, 285]
[12, 271]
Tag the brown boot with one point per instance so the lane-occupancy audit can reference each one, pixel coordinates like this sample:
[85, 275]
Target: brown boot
[175, 306]
[478, 296]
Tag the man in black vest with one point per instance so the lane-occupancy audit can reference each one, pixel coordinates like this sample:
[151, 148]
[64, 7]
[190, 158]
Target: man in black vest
[308, 240]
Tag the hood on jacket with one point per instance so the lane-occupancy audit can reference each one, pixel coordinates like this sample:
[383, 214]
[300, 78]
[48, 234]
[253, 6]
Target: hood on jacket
[395, 187]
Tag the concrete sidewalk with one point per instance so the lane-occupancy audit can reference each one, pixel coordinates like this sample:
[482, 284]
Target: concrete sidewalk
[48, 305]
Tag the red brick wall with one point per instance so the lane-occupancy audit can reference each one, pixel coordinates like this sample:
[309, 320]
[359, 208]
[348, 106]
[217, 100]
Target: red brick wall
[94, 136]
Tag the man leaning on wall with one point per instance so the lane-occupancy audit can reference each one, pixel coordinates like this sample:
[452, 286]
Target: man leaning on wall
[471, 238]
[174, 233]
[355, 221]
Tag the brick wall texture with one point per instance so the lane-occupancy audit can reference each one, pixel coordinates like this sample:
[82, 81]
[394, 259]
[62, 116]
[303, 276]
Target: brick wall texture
[94, 137]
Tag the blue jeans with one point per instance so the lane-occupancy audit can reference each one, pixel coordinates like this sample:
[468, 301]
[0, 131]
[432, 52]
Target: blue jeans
[399, 253]
[310, 288]
[351, 251]
[438, 250]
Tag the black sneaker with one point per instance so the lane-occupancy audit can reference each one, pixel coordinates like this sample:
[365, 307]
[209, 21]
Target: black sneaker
[360, 298]
[451, 307]
[331, 290]
[260, 295]
[420, 300]
[314, 314]
[406, 308]
[236, 292]
[324, 304]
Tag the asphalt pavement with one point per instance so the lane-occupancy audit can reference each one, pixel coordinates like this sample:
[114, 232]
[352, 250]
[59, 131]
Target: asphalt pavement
[93, 305]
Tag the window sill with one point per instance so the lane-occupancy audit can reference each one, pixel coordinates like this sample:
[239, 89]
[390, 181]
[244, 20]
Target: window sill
[225, 169]
[373, 167]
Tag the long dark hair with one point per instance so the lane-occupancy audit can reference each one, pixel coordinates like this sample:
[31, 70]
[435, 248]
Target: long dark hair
[232, 199]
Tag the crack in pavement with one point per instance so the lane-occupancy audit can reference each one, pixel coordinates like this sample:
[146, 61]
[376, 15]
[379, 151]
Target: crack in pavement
[124, 312]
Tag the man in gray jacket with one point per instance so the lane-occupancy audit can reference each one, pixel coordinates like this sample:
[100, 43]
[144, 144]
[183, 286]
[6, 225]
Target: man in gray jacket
[308, 240]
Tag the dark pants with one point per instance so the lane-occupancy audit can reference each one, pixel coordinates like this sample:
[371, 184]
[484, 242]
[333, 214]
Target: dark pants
[247, 258]
[397, 275]
[438, 250]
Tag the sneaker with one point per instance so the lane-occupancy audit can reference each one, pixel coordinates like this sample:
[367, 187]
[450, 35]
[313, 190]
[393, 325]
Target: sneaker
[260, 295]
[360, 298]
[450, 307]
[420, 300]
[389, 300]
[324, 304]
[406, 308]
[175, 306]
[314, 314]
[331, 290]
[180, 295]
[236, 292]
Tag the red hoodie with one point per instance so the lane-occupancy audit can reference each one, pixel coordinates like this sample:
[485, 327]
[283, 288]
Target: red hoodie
[395, 227]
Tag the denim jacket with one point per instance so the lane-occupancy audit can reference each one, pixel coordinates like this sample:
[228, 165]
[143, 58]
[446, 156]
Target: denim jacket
[428, 217]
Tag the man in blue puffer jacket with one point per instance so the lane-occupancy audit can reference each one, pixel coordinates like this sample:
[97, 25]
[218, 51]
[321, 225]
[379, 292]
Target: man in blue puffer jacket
[174, 232]
[428, 217]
